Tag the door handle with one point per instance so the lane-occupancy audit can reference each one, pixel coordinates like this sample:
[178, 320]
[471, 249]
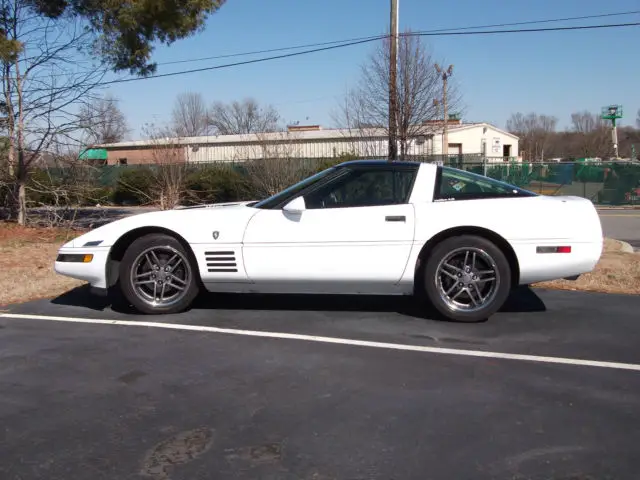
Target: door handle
[395, 218]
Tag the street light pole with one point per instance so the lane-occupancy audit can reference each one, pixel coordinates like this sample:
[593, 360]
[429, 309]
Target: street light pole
[445, 77]
[393, 84]
[613, 113]
[614, 138]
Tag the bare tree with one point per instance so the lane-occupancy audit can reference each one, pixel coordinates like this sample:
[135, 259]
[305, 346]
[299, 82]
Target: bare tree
[189, 116]
[535, 132]
[272, 175]
[47, 75]
[243, 117]
[60, 187]
[168, 167]
[103, 121]
[586, 122]
[53, 53]
[592, 134]
[367, 105]
[273, 161]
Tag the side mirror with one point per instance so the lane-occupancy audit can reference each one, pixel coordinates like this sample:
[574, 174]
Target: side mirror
[296, 205]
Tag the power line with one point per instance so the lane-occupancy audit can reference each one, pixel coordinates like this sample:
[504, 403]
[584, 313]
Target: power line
[374, 37]
[354, 41]
[532, 22]
[359, 42]
[272, 50]
[529, 30]
[245, 62]
[315, 50]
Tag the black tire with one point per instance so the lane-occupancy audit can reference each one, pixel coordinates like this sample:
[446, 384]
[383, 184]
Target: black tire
[435, 284]
[160, 243]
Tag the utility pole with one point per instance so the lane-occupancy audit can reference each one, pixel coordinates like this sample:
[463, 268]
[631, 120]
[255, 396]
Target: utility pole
[436, 103]
[445, 77]
[393, 84]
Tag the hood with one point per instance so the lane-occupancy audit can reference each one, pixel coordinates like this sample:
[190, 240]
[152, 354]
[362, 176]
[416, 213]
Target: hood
[188, 222]
[218, 205]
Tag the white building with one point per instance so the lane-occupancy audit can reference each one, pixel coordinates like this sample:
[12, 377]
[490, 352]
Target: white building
[479, 140]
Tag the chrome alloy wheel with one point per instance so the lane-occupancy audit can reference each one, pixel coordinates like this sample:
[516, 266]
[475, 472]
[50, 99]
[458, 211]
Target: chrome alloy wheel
[160, 276]
[467, 279]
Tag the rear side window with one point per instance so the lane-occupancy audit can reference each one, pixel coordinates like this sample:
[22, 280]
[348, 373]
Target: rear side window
[454, 184]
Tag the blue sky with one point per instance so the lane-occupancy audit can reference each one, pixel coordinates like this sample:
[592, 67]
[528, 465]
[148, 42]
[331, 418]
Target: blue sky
[553, 73]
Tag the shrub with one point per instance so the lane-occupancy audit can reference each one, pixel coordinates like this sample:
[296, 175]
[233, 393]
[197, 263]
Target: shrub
[134, 186]
[216, 184]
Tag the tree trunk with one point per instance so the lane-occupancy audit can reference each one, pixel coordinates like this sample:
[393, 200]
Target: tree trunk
[21, 180]
[403, 148]
[11, 153]
[22, 165]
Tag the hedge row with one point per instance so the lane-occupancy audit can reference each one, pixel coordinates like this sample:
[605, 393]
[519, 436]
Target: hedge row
[141, 185]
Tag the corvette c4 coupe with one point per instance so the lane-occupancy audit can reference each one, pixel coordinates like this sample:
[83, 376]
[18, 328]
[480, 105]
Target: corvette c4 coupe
[363, 227]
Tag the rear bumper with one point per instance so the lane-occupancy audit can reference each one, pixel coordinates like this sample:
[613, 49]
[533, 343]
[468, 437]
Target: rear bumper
[93, 272]
[537, 267]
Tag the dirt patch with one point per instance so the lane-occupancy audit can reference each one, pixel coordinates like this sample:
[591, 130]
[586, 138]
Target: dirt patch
[26, 273]
[26, 263]
[616, 272]
[12, 234]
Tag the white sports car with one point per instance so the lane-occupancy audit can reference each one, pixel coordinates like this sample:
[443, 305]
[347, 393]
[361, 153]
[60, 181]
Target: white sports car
[362, 227]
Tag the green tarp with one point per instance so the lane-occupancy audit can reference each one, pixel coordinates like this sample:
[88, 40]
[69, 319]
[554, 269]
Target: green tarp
[93, 154]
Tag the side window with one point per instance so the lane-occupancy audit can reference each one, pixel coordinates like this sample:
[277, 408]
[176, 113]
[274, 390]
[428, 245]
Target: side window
[461, 185]
[363, 188]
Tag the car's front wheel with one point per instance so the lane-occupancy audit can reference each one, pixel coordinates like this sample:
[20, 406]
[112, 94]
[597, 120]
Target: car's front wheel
[157, 275]
[467, 278]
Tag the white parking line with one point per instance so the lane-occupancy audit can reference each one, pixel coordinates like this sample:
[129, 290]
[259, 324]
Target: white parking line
[339, 341]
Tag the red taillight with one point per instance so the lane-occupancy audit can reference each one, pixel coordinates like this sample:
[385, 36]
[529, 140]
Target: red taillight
[545, 249]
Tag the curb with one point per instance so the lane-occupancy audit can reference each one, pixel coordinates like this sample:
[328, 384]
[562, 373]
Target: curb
[625, 247]
[622, 207]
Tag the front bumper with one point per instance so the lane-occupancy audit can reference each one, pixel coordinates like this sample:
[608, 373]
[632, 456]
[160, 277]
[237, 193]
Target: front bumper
[70, 263]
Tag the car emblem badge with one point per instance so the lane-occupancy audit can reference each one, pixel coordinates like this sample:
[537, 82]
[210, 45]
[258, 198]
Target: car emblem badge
[216, 234]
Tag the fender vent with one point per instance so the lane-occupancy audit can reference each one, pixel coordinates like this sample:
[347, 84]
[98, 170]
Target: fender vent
[218, 262]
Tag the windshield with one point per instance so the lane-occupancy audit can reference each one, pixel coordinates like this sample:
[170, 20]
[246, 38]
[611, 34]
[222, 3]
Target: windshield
[293, 190]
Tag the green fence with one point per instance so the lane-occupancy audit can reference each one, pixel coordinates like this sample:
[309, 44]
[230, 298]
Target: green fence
[604, 183]
[614, 183]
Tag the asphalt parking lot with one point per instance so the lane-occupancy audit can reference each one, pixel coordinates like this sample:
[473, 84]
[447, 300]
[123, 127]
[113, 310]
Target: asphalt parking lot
[622, 225]
[321, 388]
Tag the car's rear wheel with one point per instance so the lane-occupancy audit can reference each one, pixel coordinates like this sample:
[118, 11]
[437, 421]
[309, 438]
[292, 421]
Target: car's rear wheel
[467, 278]
[157, 275]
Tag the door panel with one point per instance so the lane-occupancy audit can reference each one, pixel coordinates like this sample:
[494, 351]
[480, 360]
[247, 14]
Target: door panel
[341, 245]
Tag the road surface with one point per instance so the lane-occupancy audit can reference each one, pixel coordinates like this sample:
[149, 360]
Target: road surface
[321, 388]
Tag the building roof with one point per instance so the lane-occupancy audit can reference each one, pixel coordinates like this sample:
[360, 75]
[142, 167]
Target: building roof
[302, 135]
[377, 162]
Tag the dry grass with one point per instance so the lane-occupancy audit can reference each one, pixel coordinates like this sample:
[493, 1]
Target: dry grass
[616, 272]
[26, 263]
[27, 255]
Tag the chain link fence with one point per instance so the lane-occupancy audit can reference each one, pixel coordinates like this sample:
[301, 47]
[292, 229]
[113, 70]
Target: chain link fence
[607, 183]
[604, 183]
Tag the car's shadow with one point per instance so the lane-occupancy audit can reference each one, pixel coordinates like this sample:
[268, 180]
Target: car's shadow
[521, 300]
